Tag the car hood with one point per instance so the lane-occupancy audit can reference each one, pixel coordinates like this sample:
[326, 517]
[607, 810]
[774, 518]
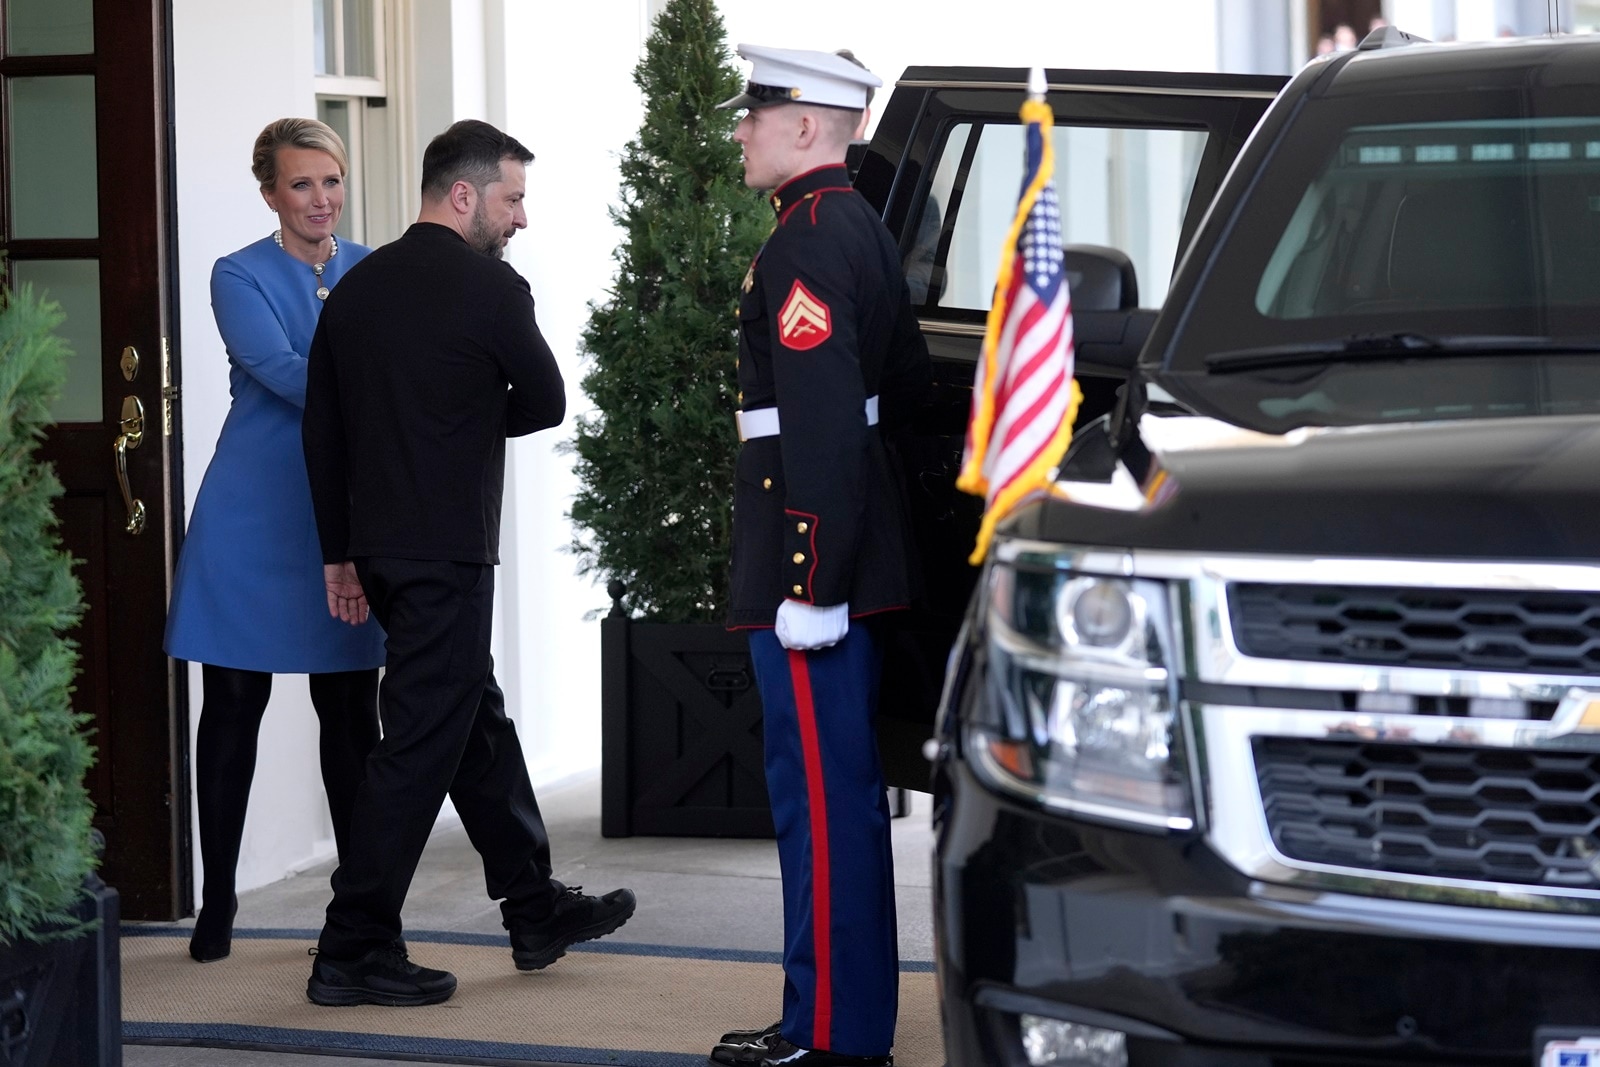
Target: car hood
[1500, 489]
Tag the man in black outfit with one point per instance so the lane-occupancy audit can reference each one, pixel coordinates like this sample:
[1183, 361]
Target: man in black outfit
[426, 358]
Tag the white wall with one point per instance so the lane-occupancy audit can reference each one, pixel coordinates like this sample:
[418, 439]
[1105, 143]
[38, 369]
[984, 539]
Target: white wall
[222, 97]
[574, 107]
[574, 104]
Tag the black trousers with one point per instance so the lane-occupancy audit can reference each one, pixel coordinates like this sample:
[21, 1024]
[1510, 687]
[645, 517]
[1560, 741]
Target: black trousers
[445, 731]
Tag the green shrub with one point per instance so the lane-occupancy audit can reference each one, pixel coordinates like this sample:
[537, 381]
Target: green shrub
[655, 464]
[46, 847]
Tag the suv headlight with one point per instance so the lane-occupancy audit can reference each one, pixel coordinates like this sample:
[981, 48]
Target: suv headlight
[1079, 707]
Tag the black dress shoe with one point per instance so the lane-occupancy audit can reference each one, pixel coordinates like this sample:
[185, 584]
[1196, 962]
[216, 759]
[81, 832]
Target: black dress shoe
[574, 917]
[779, 1052]
[383, 976]
[212, 939]
[749, 1037]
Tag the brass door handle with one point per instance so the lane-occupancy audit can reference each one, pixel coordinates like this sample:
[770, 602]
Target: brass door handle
[132, 436]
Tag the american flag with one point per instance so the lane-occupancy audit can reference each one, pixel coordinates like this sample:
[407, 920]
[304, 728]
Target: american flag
[1023, 395]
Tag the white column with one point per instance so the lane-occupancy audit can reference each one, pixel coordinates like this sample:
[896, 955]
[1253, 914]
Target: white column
[237, 67]
[469, 68]
[575, 108]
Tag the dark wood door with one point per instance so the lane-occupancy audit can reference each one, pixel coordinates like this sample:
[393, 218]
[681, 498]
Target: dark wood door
[84, 216]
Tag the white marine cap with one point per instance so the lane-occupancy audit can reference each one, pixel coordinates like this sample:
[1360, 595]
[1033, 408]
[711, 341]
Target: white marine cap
[798, 76]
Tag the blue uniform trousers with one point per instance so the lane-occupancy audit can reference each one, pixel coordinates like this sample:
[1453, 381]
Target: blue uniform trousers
[840, 954]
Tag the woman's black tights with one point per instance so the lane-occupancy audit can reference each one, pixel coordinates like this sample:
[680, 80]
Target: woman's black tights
[346, 703]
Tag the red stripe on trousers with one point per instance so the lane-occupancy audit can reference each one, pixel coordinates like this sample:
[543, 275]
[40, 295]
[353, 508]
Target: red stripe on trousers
[817, 801]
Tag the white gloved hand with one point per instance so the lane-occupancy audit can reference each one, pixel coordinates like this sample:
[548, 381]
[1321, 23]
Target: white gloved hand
[803, 626]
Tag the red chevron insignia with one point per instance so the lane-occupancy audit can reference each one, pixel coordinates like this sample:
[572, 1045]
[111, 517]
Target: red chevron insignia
[805, 321]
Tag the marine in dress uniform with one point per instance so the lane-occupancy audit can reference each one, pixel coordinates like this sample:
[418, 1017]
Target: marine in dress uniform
[829, 352]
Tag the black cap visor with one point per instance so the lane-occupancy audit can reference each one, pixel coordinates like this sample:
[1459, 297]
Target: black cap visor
[755, 96]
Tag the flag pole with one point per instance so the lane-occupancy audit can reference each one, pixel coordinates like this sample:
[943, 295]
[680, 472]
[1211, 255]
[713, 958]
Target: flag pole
[1037, 86]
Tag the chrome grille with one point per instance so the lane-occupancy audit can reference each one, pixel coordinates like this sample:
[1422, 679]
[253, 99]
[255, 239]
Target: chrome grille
[1527, 817]
[1482, 630]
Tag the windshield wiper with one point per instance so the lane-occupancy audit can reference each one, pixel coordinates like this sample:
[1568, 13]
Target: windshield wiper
[1376, 347]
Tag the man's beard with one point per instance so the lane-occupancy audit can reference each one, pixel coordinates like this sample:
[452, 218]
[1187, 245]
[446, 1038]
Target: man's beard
[484, 237]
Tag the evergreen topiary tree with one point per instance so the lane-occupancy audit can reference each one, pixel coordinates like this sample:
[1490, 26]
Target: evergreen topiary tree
[655, 465]
[46, 848]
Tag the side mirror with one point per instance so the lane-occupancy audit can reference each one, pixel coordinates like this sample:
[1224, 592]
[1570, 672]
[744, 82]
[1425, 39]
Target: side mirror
[1101, 278]
[1108, 343]
[1109, 327]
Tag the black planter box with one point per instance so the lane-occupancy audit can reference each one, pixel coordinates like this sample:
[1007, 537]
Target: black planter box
[61, 1001]
[680, 732]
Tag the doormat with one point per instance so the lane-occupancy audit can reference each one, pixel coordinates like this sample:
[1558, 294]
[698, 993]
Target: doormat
[603, 1003]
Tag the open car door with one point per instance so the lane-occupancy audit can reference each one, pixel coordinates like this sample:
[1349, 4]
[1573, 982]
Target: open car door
[1139, 156]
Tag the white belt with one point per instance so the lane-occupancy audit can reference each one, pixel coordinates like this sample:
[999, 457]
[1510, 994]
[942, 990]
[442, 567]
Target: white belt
[763, 422]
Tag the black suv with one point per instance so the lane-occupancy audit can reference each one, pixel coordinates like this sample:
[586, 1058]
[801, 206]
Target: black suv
[1273, 736]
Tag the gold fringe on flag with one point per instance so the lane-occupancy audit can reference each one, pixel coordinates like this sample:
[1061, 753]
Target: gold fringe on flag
[1036, 475]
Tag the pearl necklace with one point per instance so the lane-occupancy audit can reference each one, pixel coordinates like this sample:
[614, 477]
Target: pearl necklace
[316, 268]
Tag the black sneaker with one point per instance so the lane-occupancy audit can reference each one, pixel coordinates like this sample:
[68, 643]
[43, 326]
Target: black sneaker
[383, 976]
[574, 917]
[752, 1037]
[779, 1052]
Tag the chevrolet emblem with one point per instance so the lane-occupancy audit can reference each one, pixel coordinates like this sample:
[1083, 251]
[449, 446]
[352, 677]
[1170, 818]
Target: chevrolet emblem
[1578, 713]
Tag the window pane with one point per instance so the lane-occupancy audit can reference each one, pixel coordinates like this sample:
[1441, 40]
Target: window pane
[322, 35]
[75, 285]
[360, 47]
[53, 176]
[920, 264]
[1127, 188]
[336, 113]
[49, 27]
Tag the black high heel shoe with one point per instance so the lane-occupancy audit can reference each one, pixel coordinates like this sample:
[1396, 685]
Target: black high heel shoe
[207, 945]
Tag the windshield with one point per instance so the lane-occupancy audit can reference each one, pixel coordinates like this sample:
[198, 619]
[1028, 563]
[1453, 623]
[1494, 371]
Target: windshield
[1417, 218]
[1460, 229]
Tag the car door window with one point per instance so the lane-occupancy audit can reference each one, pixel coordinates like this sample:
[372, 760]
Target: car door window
[1126, 188]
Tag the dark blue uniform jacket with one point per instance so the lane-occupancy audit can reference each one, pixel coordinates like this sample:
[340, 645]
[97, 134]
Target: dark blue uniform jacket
[824, 323]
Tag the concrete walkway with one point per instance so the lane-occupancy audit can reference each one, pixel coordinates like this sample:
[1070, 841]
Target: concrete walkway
[693, 892]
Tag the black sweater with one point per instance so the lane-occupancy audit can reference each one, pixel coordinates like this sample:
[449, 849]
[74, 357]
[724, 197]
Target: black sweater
[426, 358]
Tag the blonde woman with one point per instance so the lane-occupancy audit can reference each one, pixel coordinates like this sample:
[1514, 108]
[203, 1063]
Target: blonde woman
[248, 600]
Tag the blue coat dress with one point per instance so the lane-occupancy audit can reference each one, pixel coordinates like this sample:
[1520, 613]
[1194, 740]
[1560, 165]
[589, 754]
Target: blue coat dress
[248, 592]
